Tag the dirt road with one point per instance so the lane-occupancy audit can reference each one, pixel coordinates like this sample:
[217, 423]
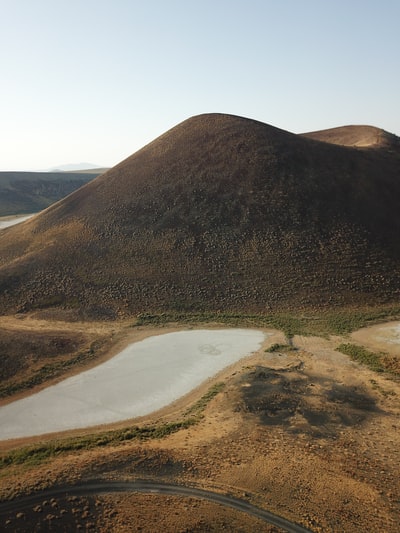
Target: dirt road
[102, 487]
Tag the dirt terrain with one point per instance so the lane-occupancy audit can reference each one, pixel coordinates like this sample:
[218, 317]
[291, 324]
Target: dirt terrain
[302, 431]
[234, 222]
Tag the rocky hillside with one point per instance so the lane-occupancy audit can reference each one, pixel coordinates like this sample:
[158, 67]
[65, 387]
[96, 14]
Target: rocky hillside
[219, 213]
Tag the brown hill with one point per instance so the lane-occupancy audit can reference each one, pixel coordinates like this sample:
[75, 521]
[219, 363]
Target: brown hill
[219, 213]
[357, 136]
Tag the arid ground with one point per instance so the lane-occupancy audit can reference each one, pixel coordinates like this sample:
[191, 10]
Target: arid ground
[299, 428]
[220, 222]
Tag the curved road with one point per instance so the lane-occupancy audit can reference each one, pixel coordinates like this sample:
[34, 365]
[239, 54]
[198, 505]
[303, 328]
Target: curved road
[101, 487]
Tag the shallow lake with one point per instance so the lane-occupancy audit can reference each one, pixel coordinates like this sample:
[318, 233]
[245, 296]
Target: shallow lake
[143, 378]
[6, 222]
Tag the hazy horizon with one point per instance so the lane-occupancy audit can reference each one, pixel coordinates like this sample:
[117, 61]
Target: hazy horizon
[96, 81]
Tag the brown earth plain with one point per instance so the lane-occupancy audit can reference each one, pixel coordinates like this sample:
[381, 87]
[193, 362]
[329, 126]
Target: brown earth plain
[307, 427]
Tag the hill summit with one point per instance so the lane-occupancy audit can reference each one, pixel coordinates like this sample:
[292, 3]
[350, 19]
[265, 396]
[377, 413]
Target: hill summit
[218, 213]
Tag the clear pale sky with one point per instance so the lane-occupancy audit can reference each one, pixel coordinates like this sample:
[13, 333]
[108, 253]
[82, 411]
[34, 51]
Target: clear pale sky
[95, 80]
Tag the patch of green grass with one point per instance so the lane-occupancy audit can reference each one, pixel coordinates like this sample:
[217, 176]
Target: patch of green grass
[160, 319]
[379, 362]
[320, 323]
[347, 320]
[290, 324]
[36, 454]
[362, 355]
[201, 404]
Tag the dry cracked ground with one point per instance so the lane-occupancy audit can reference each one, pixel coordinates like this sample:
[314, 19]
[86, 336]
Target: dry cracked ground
[302, 431]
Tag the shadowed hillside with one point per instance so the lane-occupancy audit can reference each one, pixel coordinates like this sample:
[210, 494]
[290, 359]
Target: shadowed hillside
[219, 213]
[30, 192]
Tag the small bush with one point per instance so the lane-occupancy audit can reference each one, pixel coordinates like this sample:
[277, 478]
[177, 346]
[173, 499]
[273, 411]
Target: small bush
[279, 348]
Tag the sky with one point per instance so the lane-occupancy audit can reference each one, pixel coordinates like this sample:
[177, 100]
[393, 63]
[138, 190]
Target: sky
[95, 80]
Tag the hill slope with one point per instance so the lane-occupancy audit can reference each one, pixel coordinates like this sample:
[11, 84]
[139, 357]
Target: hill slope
[358, 136]
[30, 192]
[219, 213]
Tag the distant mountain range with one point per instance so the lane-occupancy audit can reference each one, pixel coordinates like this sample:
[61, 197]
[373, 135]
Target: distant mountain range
[220, 213]
[74, 166]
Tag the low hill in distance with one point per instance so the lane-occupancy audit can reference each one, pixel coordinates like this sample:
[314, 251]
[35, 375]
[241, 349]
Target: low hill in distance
[358, 136]
[75, 167]
[96, 171]
[30, 192]
[220, 213]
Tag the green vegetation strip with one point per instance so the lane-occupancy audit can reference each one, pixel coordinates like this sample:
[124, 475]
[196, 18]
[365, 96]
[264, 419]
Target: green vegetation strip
[319, 323]
[360, 354]
[33, 455]
[200, 405]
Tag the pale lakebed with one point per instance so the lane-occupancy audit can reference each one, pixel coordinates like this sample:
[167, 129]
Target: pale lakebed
[380, 337]
[6, 222]
[142, 378]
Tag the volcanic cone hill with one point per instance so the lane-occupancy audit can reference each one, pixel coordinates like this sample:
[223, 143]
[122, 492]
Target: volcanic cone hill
[219, 213]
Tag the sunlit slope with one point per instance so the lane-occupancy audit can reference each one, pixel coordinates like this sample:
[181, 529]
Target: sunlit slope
[219, 213]
[358, 136]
